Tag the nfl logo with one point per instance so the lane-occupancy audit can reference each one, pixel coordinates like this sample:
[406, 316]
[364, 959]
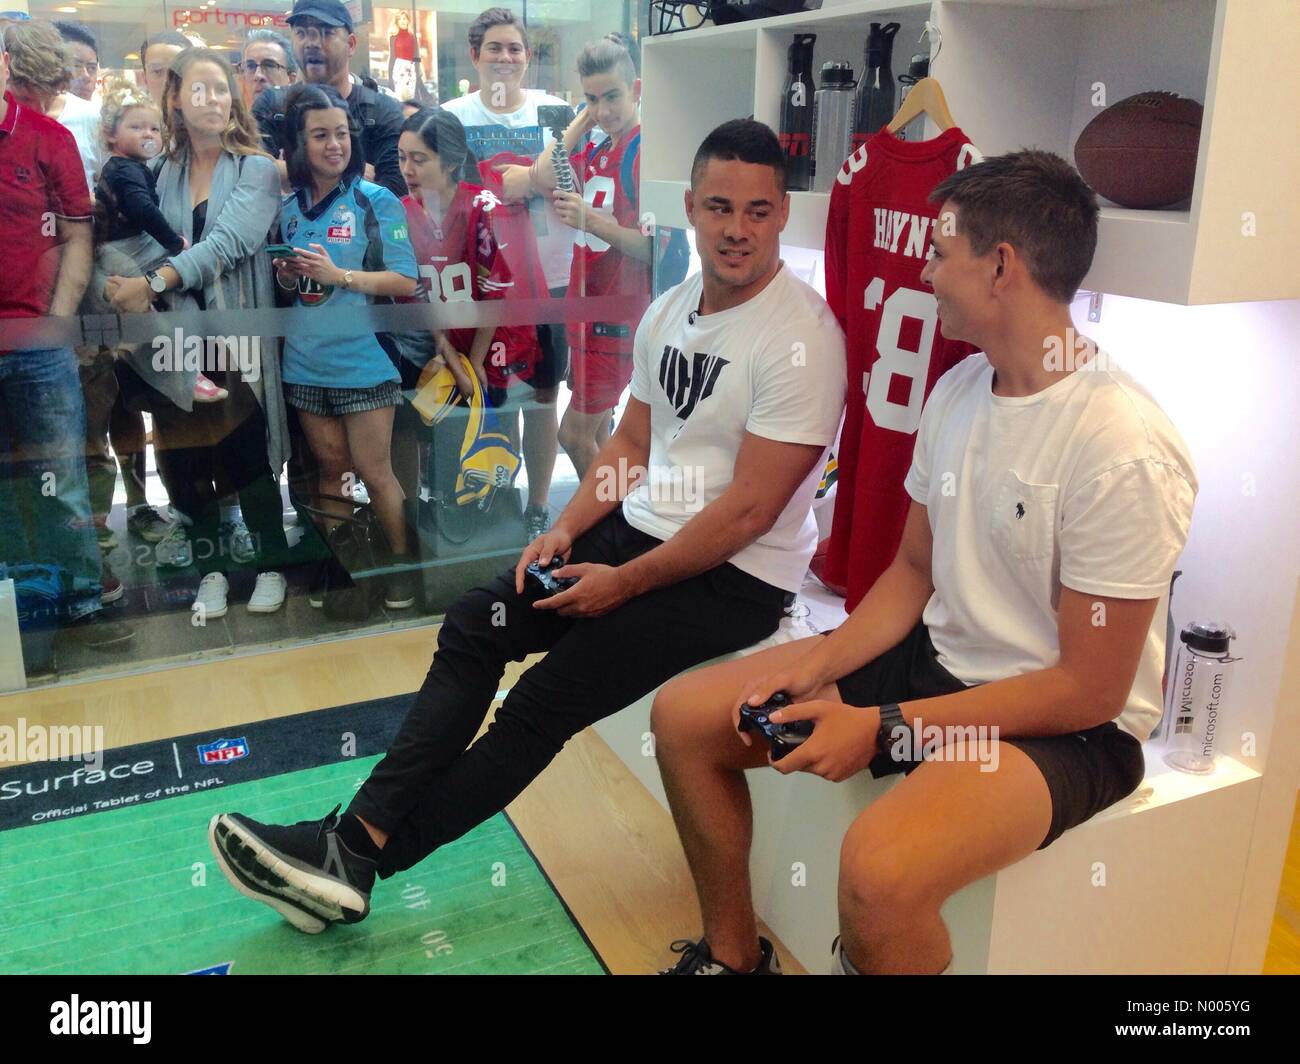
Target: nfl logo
[223, 750]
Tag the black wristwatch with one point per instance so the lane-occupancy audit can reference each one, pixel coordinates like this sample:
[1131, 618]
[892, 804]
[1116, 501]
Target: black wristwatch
[889, 739]
[157, 284]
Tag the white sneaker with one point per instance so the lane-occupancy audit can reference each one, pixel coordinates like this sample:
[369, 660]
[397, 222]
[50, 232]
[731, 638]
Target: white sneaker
[213, 589]
[268, 594]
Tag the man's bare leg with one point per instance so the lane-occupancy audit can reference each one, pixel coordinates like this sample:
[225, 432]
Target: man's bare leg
[702, 761]
[943, 827]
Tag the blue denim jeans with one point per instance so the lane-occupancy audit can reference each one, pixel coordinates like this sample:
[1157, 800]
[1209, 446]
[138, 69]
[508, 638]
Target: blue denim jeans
[44, 494]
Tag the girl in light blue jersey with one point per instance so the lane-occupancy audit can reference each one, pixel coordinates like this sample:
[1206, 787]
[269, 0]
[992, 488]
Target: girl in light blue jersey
[350, 249]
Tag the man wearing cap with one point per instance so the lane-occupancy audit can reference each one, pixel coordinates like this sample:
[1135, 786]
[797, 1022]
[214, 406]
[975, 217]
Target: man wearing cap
[323, 42]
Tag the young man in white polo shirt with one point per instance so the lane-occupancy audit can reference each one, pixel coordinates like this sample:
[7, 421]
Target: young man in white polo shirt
[1051, 498]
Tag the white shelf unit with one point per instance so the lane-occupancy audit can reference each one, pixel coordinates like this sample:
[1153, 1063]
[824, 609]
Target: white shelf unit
[1024, 74]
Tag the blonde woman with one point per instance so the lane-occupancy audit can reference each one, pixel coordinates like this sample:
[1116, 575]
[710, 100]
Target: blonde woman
[220, 191]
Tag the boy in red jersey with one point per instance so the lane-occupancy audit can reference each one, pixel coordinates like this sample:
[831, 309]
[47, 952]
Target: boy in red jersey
[611, 256]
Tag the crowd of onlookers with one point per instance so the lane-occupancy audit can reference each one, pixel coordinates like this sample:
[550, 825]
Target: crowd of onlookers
[279, 178]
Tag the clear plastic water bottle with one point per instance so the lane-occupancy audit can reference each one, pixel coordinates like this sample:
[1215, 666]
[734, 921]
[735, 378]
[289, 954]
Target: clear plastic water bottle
[832, 123]
[1198, 688]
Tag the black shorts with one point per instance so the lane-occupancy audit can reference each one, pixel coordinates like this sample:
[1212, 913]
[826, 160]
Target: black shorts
[1085, 771]
[553, 366]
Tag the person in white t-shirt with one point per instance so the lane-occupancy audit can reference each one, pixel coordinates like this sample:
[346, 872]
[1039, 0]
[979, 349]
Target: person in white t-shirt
[1017, 639]
[501, 120]
[737, 394]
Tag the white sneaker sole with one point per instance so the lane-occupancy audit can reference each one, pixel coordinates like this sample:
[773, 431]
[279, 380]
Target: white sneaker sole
[303, 921]
[212, 615]
[261, 608]
[323, 896]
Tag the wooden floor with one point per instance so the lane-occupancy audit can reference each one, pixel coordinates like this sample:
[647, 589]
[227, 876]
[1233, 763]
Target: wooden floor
[607, 845]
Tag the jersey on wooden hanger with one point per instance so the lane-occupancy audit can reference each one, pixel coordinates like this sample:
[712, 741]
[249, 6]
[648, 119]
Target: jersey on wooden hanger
[878, 239]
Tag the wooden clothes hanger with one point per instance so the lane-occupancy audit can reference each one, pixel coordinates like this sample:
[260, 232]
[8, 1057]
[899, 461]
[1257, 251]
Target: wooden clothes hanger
[926, 97]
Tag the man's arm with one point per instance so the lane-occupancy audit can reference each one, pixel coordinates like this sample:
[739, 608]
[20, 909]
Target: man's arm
[628, 447]
[1088, 686]
[766, 475]
[76, 258]
[888, 611]
[628, 239]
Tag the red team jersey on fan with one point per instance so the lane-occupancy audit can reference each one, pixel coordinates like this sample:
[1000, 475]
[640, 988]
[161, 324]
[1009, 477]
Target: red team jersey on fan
[459, 259]
[598, 269]
[516, 238]
[877, 243]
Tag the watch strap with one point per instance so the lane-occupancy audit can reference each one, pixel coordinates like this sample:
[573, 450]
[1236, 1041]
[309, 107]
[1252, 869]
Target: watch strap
[895, 743]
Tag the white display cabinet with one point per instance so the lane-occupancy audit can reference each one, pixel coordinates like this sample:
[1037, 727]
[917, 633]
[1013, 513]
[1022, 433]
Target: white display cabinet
[1183, 875]
[1029, 74]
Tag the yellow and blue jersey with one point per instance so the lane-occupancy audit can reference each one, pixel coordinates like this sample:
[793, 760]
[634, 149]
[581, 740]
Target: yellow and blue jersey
[363, 227]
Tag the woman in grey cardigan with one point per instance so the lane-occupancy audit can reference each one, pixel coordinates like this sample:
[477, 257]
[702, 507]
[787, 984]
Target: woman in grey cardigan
[219, 190]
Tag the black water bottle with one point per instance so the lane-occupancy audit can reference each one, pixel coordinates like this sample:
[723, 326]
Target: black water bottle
[874, 106]
[797, 114]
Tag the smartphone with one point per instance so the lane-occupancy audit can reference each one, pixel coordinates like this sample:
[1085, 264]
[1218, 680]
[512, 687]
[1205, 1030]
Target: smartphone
[281, 251]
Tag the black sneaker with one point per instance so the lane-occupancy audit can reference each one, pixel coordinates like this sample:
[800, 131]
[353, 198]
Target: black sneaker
[316, 589]
[300, 870]
[399, 589]
[697, 960]
[250, 887]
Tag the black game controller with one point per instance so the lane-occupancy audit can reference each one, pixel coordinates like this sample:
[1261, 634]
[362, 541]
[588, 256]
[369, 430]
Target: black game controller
[783, 737]
[541, 575]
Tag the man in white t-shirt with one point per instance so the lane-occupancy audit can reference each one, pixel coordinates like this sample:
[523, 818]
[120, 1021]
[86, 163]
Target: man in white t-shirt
[737, 393]
[501, 118]
[1017, 639]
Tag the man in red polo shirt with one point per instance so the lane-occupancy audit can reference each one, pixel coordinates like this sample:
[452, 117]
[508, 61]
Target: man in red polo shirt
[45, 214]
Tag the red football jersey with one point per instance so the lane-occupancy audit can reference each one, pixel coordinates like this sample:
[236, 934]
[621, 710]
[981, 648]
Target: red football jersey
[516, 236]
[599, 269]
[878, 232]
[459, 259]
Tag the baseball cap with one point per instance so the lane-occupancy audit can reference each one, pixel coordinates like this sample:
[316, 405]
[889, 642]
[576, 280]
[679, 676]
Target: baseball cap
[330, 12]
